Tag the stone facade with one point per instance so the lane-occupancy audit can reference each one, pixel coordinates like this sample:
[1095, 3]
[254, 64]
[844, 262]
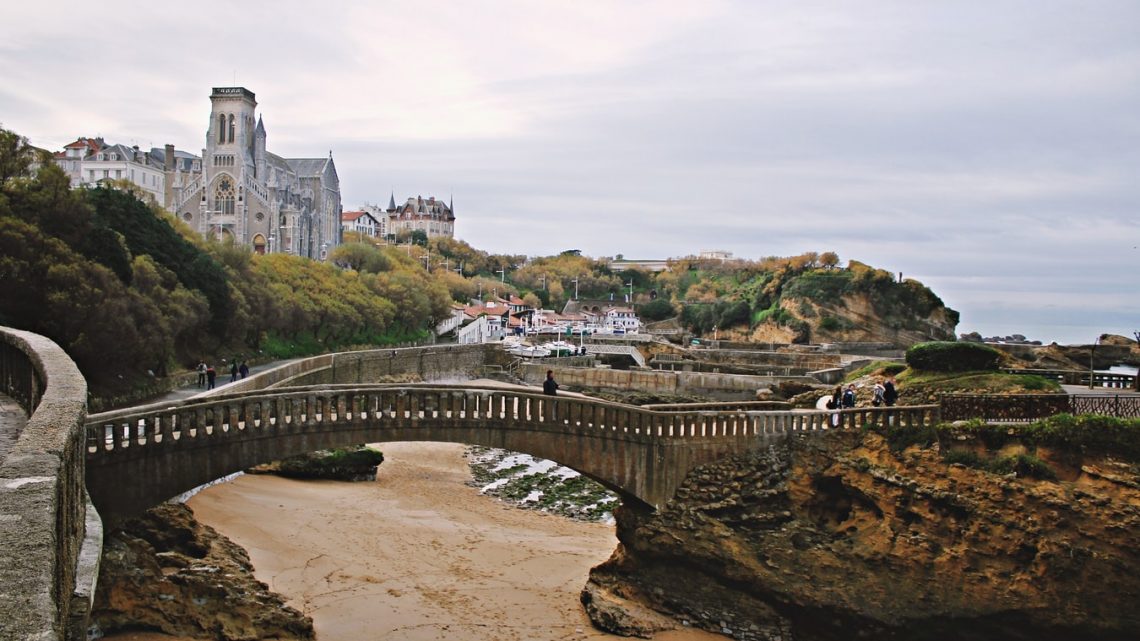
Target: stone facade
[255, 197]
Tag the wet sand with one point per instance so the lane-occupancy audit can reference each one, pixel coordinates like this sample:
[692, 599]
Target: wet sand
[415, 556]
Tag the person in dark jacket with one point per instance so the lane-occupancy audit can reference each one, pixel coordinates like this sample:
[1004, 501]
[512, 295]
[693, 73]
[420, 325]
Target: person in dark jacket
[890, 394]
[849, 397]
[550, 386]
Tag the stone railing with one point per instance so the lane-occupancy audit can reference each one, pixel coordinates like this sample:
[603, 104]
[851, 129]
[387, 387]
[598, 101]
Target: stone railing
[217, 417]
[190, 190]
[1031, 407]
[644, 454]
[49, 540]
[1111, 380]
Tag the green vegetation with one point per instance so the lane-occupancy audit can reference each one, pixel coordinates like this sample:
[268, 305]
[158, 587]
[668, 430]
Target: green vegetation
[131, 292]
[947, 356]
[345, 463]
[1084, 434]
[656, 310]
[1074, 437]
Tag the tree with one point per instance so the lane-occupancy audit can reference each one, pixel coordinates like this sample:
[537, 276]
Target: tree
[829, 260]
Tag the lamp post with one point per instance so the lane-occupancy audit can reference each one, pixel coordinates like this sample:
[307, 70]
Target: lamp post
[502, 275]
[1092, 350]
[575, 289]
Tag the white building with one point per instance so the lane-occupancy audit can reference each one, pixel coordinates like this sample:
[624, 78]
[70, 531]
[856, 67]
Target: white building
[360, 222]
[622, 320]
[90, 161]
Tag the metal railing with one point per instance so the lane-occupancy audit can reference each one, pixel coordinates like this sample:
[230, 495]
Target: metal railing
[1031, 407]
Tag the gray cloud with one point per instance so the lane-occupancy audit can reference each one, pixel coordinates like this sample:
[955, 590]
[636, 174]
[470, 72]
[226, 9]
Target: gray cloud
[988, 149]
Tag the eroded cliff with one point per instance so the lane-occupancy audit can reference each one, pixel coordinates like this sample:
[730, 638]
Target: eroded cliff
[839, 537]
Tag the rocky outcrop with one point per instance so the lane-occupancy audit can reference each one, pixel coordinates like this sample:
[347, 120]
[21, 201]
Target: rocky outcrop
[168, 573]
[358, 463]
[838, 537]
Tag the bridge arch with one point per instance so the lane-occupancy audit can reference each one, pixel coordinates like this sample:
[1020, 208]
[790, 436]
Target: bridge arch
[139, 457]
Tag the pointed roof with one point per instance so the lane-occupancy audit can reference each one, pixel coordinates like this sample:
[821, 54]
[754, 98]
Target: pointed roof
[392, 201]
[260, 126]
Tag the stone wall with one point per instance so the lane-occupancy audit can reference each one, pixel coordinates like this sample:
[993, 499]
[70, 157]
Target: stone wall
[721, 386]
[43, 507]
[431, 363]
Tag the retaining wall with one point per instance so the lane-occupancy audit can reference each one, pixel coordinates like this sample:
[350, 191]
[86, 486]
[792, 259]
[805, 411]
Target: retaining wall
[45, 593]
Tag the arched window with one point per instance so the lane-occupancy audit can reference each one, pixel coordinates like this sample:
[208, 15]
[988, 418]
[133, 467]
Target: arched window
[221, 127]
[224, 196]
[231, 127]
[259, 244]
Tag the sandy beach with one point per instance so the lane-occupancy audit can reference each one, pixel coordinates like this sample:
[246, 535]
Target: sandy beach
[415, 556]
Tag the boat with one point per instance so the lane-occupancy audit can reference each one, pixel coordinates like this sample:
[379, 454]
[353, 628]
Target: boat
[529, 351]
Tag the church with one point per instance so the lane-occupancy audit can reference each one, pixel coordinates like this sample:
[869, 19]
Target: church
[257, 198]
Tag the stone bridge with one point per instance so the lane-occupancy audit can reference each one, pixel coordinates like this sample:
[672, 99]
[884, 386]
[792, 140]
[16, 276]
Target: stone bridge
[139, 457]
[59, 461]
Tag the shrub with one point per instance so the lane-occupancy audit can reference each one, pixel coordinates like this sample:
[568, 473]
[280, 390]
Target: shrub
[656, 310]
[947, 356]
[968, 458]
[1024, 465]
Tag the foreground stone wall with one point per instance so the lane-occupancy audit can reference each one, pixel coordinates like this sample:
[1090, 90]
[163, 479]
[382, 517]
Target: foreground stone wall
[43, 510]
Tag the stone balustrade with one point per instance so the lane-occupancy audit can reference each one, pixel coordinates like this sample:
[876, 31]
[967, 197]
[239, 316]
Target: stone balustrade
[49, 539]
[643, 454]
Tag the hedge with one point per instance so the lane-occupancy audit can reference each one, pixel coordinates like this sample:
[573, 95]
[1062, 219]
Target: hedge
[947, 356]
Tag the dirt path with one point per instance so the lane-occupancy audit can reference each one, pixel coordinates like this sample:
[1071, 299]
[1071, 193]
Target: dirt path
[415, 556]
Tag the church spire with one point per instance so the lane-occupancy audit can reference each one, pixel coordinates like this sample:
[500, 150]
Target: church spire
[392, 201]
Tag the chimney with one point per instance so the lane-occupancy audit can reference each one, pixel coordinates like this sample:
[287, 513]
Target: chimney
[168, 158]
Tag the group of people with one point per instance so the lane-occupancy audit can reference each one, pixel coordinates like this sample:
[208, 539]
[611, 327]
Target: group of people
[207, 375]
[882, 394]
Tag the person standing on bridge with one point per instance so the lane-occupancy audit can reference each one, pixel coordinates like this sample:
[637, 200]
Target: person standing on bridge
[849, 397]
[890, 394]
[201, 373]
[243, 371]
[211, 376]
[550, 388]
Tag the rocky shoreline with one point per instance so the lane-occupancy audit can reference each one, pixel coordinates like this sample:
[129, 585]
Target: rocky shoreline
[167, 572]
[829, 539]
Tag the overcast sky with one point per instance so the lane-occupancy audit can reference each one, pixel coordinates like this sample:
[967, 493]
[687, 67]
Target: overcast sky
[989, 149]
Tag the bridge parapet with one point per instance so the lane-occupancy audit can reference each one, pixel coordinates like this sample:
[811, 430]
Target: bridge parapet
[46, 570]
[642, 454]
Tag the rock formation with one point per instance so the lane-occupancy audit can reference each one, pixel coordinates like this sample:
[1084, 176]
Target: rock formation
[167, 572]
[838, 537]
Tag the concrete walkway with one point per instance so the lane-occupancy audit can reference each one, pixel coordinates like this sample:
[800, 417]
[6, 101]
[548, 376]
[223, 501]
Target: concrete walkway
[12, 422]
[223, 379]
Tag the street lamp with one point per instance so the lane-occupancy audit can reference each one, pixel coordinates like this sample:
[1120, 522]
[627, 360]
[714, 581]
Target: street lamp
[1092, 350]
[575, 289]
[502, 275]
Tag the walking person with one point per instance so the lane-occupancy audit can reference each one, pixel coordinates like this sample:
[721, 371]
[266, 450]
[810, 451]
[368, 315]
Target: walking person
[890, 394]
[243, 371]
[211, 376]
[834, 403]
[201, 373]
[233, 371]
[877, 394]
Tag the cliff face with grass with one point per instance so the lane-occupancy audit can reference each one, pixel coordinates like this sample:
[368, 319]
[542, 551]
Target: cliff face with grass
[971, 534]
